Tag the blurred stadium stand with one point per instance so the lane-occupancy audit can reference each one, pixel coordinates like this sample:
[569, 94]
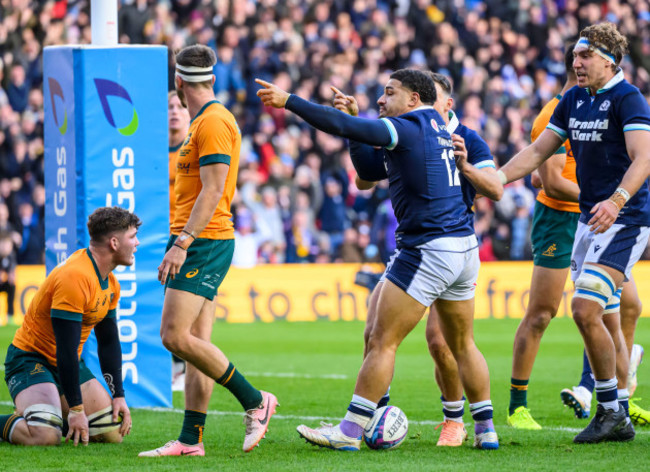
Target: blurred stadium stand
[297, 201]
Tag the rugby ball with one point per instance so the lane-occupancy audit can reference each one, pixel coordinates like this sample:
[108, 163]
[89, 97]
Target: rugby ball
[387, 428]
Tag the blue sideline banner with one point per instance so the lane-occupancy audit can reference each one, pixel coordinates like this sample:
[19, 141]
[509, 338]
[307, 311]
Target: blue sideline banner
[120, 140]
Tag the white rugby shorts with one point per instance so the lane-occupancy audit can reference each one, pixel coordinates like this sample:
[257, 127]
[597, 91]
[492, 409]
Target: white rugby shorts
[445, 268]
[620, 247]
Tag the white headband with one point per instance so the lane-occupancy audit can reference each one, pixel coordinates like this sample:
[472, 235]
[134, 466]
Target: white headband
[193, 73]
[583, 44]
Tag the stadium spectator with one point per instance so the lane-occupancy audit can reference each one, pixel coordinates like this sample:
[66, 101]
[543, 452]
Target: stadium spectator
[247, 240]
[267, 217]
[18, 90]
[8, 264]
[30, 251]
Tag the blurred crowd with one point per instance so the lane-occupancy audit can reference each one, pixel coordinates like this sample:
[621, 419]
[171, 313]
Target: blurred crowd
[296, 199]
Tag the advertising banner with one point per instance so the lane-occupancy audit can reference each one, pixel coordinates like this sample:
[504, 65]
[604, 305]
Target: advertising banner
[60, 164]
[120, 97]
[316, 292]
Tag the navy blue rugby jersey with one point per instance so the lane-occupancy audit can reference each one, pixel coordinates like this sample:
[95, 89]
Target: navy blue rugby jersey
[424, 185]
[596, 128]
[478, 154]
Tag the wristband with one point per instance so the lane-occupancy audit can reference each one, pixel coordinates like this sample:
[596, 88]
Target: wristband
[77, 409]
[178, 245]
[502, 177]
[183, 241]
[190, 233]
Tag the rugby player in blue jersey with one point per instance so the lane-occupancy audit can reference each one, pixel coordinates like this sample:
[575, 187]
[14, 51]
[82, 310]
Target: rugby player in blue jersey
[477, 173]
[437, 256]
[607, 122]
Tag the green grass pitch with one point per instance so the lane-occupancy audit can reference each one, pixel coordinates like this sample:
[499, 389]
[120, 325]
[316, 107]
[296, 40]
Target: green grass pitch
[312, 368]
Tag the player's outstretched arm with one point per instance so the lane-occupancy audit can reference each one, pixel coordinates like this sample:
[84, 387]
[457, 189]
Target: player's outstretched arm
[531, 157]
[327, 119]
[638, 148]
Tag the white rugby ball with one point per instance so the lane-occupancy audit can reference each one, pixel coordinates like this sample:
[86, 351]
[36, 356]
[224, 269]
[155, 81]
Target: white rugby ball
[387, 429]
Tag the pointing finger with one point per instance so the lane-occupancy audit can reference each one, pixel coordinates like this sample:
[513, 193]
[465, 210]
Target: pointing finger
[263, 83]
[336, 91]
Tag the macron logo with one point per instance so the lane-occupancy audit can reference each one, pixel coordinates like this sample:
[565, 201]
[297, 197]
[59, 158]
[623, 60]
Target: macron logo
[579, 104]
[596, 248]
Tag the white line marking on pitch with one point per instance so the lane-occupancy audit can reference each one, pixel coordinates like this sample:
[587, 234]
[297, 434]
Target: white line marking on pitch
[334, 419]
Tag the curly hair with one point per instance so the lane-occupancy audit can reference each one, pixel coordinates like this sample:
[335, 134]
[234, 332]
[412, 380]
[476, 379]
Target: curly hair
[107, 220]
[606, 36]
[419, 82]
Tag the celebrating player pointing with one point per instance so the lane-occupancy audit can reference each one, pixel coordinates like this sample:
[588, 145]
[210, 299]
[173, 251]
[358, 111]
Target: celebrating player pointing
[437, 255]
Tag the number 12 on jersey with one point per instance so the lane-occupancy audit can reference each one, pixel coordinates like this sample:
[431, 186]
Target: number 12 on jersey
[448, 155]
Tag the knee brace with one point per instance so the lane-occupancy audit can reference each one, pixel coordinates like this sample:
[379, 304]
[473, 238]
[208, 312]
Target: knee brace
[43, 415]
[595, 284]
[614, 303]
[101, 422]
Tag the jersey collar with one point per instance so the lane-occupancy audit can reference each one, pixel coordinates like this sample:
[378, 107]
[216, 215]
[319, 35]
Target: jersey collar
[103, 283]
[619, 77]
[453, 122]
[423, 107]
[203, 109]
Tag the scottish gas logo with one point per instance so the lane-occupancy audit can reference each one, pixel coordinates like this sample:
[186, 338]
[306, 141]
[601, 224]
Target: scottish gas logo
[57, 91]
[107, 88]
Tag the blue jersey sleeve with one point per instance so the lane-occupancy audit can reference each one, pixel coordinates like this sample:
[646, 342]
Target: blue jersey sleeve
[478, 152]
[368, 162]
[634, 112]
[333, 121]
[558, 122]
[401, 131]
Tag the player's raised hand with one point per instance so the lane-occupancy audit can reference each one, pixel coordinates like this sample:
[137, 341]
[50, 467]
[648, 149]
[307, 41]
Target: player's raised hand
[78, 426]
[605, 214]
[272, 95]
[460, 151]
[121, 410]
[345, 103]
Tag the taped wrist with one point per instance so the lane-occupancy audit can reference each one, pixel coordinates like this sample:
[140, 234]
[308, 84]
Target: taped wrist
[620, 197]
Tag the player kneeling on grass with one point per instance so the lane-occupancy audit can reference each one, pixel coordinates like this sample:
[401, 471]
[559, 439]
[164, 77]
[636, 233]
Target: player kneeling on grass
[46, 377]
